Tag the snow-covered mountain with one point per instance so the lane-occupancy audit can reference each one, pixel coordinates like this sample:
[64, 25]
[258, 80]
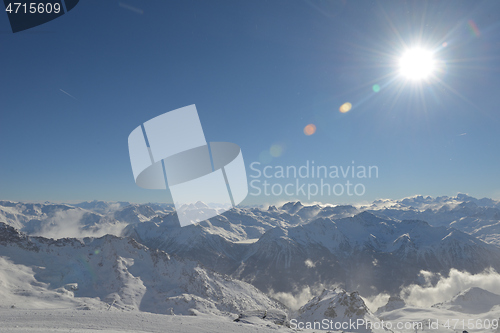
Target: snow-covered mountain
[365, 248]
[18, 214]
[364, 253]
[394, 303]
[473, 300]
[343, 311]
[101, 207]
[96, 218]
[477, 217]
[282, 250]
[113, 272]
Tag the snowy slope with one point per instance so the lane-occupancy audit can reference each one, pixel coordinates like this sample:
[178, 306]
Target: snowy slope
[394, 302]
[473, 300]
[117, 271]
[66, 320]
[441, 320]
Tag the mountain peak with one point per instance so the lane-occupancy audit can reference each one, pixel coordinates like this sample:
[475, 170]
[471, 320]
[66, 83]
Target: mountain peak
[292, 207]
[473, 300]
[394, 303]
[338, 306]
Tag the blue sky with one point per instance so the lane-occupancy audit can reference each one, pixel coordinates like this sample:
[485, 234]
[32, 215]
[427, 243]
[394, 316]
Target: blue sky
[258, 72]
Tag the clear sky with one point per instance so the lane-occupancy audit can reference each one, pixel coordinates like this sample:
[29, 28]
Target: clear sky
[259, 72]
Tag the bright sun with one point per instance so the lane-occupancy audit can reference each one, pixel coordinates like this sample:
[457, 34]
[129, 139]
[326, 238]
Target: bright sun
[416, 64]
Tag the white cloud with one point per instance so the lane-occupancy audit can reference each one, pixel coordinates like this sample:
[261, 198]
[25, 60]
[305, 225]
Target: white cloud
[309, 263]
[71, 223]
[375, 302]
[112, 207]
[297, 299]
[447, 287]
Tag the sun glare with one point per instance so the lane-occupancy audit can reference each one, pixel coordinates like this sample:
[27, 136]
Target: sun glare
[417, 64]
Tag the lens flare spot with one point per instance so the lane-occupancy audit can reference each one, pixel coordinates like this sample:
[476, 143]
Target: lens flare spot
[346, 107]
[376, 88]
[473, 28]
[310, 129]
[276, 150]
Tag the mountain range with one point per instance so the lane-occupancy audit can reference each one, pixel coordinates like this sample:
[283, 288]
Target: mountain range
[118, 272]
[122, 256]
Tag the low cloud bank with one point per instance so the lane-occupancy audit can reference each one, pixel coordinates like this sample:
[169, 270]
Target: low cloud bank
[298, 298]
[76, 223]
[445, 288]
